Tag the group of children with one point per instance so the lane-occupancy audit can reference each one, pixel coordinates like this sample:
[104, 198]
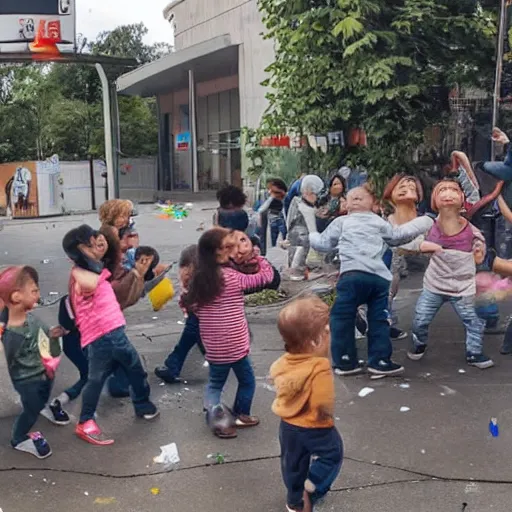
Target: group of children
[215, 275]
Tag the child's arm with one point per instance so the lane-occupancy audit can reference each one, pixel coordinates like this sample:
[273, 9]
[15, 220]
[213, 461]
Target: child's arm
[262, 278]
[128, 288]
[54, 334]
[266, 205]
[322, 396]
[407, 232]
[430, 247]
[85, 281]
[328, 240]
[479, 247]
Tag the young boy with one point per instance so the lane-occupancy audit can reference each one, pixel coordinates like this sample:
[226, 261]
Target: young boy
[271, 211]
[362, 238]
[30, 349]
[450, 276]
[311, 447]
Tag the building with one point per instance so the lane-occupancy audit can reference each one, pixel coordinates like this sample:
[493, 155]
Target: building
[207, 90]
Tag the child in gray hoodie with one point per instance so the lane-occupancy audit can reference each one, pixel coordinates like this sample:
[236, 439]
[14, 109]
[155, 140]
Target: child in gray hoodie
[362, 238]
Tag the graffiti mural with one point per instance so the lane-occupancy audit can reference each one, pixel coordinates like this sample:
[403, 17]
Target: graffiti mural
[18, 182]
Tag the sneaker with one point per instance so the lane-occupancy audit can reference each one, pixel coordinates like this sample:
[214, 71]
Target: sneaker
[342, 372]
[417, 352]
[163, 373]
[506, 349]
[385, 368]
[55, 413]
[307, 507]
[221, 422]
[245, 421]
[479, 361]
[397, 334]
[36, 445]
[150, 413]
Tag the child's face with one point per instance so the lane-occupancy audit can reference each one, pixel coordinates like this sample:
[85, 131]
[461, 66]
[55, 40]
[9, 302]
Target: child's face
[405, 191]
[27, 297]
[96, 249]
[336, 188]
[449, 195]
[242, 249]
[359, 201]
[129, 241]
[225, 250]
[276, 192]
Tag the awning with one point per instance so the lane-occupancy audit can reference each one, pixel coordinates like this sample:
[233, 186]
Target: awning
[211, 59]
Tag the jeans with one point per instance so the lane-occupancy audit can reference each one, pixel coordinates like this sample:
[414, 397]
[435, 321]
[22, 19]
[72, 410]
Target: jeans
[78, 356]
[246, 385]
[353, 290]
[309, 453]
[501, 170]
[34, 395]
[277, 225]
[105, 355]
[430, 303]
[189, 337]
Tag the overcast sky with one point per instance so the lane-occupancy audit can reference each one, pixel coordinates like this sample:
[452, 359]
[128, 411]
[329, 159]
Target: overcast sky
[94, 16]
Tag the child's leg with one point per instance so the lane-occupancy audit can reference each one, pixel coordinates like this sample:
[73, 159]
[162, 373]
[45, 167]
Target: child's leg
[34, 395]
[74, 352]
[465, 309]
[125, 355]
[379, 341]
[295, 461]
[189, 337]
[101, 366]
[326, 449]
[343, 323]
[246, 387]
[426, 309]
[217, 379]
[118, 384]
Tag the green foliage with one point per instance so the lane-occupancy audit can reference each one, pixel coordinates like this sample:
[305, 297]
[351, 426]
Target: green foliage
[384, 66]
[57, 108]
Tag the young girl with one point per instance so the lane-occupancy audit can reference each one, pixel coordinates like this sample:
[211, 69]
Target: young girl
[457, 247]
[101, 324]
[216, 295]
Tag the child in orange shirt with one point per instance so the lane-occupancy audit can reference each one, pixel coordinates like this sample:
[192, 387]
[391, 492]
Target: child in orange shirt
[311, 447]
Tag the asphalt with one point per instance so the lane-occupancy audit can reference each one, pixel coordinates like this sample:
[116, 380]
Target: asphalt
[437, 456]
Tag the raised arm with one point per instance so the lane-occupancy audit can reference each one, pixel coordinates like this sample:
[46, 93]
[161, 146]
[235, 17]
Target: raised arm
[328, 240]
[266, 205]
[262, 278]
[407, 232]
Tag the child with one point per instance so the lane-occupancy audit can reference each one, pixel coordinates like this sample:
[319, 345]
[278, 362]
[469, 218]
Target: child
[271, 211]
[31, 350]
[231, 213]
[216, 296]
[311, 447]
[101, 323]
[362, 238]
[450, 276]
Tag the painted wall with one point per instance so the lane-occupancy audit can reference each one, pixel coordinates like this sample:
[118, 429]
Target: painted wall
[19, 189]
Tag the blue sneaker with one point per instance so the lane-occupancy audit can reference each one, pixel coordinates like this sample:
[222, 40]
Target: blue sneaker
[479, 361]
[385, 368]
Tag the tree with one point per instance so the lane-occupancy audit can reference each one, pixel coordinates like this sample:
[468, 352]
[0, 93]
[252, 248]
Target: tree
[385, 66]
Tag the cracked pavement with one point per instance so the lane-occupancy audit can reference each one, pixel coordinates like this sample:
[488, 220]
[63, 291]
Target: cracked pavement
[438, 456]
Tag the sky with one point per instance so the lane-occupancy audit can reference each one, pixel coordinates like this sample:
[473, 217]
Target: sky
[94, 16]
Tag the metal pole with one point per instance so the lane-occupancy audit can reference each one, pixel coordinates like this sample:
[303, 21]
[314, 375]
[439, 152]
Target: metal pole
[116, 131]
[499, 70]
[93, 185]
[107, 121]
[193, 128]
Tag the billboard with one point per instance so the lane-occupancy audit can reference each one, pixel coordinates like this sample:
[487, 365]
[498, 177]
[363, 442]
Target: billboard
[20, 20]
[19, 191]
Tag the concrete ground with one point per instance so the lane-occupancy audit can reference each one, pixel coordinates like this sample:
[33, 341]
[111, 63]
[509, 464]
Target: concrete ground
[438, 456]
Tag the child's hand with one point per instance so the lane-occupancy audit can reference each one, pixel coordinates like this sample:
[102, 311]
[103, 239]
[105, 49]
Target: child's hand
[479, 252]
[57, 332]
[143, 264]
[430, 247]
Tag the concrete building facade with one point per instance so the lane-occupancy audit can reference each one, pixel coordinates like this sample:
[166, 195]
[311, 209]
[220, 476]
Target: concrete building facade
[207, 90]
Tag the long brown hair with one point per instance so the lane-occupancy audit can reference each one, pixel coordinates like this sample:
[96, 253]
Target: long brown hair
[207, 281]
[113, 256]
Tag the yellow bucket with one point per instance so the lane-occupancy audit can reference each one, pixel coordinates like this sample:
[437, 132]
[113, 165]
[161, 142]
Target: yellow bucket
[161, 294]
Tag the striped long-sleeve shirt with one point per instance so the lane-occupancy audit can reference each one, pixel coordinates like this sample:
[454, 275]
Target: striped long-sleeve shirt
[222, 323]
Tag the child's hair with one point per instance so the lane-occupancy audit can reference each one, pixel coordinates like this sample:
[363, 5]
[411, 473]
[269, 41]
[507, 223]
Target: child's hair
[278, 183]
[301, 322]
[15, 278]
[231, 197]
[113, 256]
[148, 251]
[337, 176]
[207, 281]
[370, 189]
[188, 257]
[396, 179]
[435, 192]
[111, 210]
[81, 236]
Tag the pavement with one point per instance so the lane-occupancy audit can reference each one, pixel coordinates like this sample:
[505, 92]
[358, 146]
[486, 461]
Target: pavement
[436, 457]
